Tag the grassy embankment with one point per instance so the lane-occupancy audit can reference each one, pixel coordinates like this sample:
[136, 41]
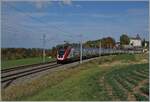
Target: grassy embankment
[121, 77]
[12, 63]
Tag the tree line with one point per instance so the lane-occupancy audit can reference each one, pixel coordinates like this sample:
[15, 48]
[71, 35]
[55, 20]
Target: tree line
[18, 53]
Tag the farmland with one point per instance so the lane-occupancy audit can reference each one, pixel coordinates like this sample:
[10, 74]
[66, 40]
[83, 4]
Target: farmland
[109, 78]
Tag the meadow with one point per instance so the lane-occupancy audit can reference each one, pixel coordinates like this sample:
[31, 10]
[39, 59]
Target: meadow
[108, 78]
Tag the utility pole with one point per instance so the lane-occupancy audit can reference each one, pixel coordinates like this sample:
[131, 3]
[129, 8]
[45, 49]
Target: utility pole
[44, 41]
[100, 48]
[81, 51]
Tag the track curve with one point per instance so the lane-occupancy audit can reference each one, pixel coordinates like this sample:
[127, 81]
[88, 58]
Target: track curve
[16, 73]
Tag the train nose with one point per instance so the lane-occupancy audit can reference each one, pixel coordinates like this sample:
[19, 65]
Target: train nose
[60, 56]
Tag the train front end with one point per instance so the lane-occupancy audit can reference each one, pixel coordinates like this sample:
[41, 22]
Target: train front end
[62, 55]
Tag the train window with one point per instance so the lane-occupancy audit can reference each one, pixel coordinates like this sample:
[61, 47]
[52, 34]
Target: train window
[61, 52]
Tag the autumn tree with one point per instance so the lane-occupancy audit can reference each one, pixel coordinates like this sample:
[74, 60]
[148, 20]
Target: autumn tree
[124, 40]
[108, 42]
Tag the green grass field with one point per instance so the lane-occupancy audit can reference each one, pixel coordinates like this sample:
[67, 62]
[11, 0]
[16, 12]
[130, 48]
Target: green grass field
[26, 61]
[121, 77]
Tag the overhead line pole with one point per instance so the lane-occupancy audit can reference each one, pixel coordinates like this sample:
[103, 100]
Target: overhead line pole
[100, 48]
[44, 41]
[81, 50]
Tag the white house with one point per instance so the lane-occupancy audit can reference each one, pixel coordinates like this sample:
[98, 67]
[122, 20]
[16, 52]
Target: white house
[136, 42]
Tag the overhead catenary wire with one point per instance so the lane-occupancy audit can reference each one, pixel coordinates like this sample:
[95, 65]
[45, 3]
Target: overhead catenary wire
[36, 19]
[10, 28]
[39, 20]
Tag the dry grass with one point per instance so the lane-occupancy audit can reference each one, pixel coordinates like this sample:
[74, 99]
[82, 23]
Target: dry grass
[32, 87]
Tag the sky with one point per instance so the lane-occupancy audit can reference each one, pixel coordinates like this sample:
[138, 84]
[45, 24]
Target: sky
[23, 23]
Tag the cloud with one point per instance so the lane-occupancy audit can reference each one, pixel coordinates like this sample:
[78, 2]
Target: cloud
[67, 2]
[137, 11]
[38, 14]
[105, 15]
[77, 6]
[41, 4]
[94, 15]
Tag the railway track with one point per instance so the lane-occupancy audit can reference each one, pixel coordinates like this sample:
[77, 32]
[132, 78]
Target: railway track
[9, 75]
[24, 67]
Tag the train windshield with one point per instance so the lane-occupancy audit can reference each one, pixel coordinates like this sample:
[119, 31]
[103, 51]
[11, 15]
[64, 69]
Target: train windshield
[61, 52]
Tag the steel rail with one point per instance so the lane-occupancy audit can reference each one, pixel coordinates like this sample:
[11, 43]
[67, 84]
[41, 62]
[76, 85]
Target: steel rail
[24, 67]
[27, 72]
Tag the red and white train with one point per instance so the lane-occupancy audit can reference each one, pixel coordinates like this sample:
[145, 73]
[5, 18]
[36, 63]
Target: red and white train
[73, 53]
